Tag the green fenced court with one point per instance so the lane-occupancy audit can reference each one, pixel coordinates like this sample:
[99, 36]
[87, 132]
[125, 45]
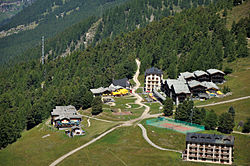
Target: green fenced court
[175, 125]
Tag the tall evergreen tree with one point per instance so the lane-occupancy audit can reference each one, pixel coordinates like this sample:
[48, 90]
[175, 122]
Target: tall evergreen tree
[226, 123]
[231, 111]
[168, 107]
[96, 105]
[246, 127]
[211, 120]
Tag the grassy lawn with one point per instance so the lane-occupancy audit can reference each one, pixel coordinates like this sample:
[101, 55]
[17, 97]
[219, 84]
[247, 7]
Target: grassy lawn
[154, 108]
[174, 140]
[32, 149]
[238, 81]
[242, 110]
[124, 146]
[120, 105]
[237, 13]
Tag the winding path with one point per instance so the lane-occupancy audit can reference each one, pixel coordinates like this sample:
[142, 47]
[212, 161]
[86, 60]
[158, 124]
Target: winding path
[127, 123]
[224, 102]
[144, 134]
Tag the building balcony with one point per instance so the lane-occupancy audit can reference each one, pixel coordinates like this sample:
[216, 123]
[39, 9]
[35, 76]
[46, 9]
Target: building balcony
[208, 147]
[225, 148]
[193, 145]
[208, 152]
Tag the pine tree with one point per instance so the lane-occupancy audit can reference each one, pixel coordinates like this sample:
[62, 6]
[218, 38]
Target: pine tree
[168, 107]
[246, 127]
[211, 120]
[226, 123]
[96, 105]
[232, 111]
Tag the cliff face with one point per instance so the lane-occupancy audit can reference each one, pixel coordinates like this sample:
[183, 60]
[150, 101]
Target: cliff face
[11, 7]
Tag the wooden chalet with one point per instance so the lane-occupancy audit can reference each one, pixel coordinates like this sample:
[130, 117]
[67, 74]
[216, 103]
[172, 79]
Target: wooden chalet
[201, 75]
[216, 75]
[196, 87]
[187, 76]
[180, 92]
[65, 117]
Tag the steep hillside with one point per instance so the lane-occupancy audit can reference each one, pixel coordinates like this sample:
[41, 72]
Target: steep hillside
[50, 18]
[194, 39]
[121, 19]
[9, 8]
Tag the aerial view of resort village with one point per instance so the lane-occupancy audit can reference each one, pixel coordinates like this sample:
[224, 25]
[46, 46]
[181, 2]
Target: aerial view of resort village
[124, 82]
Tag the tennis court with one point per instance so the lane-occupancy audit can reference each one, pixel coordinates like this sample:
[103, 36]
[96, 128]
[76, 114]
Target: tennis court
[175, 125]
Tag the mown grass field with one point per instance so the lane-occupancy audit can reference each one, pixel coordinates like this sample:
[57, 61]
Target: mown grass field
[237, 13]
[124, 146]
[174, 140]
[238, 81]
[32, 149]
[242, 110]
[120, 106]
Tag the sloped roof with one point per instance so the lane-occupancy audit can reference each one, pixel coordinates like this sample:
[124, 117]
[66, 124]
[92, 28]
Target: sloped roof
[187, 75]
[122, 82]
[63, 109]
[158, 94]
[210, 138]
[213, 71]
[180, 87]
[194, 83]
[98, 90]
[210, 85]
[153, 70]
[198, 73]
[65, 112]
[170, 82]
[112, 87]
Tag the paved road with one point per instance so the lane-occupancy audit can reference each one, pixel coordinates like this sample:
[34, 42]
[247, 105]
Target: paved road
[224, 102]
[145, 136]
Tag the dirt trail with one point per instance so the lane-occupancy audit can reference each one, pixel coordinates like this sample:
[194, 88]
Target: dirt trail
[224, 102]
[144, 134]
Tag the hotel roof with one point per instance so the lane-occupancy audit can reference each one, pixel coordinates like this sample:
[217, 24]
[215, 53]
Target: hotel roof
[210, 138]
[153, 70]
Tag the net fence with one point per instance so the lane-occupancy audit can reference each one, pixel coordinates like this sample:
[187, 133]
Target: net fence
[175, 125]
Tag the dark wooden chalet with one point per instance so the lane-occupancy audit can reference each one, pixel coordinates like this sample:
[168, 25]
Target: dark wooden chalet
[216, 75]
[180, 92]
[201, 75]
[196, 87]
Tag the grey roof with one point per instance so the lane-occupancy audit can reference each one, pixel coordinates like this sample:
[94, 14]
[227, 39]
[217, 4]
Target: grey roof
[159, 95]
[213, 71]
[170, 82]
[180, 87]
[198, 73]
[181, 78]
[122, 82]
[187, 75]
[111, 88]
[98, 90]
[153, 70]
[210, 85]
[65, 112]
[210, 138]
[194, 83]
[63, 109]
